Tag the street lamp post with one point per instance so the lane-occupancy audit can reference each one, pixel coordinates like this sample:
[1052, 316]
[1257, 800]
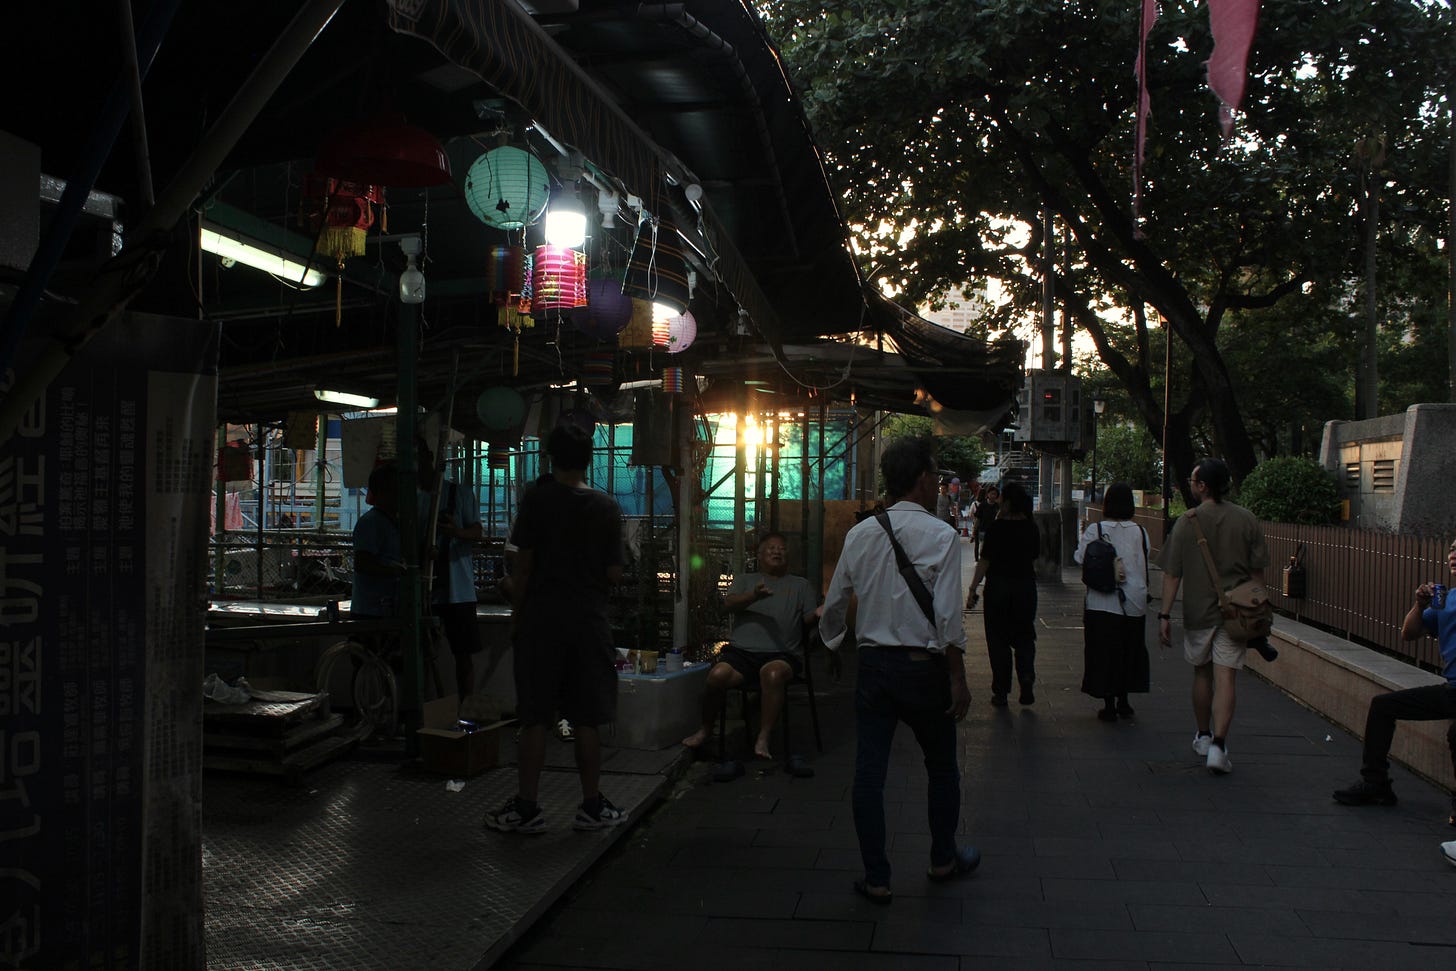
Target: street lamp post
[1099, 405]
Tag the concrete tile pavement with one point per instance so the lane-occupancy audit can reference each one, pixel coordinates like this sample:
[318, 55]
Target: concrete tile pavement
[1105, 844]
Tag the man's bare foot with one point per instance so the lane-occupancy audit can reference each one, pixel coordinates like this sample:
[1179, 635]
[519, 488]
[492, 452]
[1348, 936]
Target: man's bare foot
[760, 749]
[696, 739]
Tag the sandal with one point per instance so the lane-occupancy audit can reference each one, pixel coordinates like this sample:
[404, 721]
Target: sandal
[878, 899]
[799, 767]
[967, 858]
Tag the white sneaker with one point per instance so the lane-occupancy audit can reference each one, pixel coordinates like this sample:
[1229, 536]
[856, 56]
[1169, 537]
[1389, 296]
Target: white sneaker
[1201, 744]
[1218, 761]
[1448, 850]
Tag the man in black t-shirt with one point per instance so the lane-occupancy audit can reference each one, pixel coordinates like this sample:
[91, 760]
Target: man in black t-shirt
[569, 554]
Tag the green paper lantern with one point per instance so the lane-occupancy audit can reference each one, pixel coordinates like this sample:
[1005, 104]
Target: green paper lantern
[502, 412]
[507, 188]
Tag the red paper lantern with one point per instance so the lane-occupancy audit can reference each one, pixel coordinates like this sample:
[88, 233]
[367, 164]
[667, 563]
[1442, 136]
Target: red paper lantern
[558, 279]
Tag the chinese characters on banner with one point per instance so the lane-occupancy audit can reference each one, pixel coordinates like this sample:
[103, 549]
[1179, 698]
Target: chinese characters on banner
[104, 494]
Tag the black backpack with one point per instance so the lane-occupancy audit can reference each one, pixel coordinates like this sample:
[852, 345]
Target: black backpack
[1099, 564]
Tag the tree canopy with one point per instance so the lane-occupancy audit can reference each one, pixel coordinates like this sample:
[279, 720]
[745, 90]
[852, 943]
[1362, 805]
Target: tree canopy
[964, 123]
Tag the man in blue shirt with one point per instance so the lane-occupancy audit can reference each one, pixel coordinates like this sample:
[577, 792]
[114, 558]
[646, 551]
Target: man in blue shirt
[1428, 703]
[378, 560]
[452, 596]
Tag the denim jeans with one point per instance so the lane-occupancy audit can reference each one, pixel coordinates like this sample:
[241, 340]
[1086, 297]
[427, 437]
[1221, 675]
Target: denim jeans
[894, 687]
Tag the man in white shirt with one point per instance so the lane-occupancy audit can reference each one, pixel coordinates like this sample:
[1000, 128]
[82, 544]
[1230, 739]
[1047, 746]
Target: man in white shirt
[911, 668]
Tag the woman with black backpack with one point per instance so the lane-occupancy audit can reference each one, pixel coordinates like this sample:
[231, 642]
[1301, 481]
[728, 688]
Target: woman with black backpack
[1114, 558]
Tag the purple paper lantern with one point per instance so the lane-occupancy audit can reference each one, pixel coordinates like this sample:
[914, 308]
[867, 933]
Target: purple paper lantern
[607, 310]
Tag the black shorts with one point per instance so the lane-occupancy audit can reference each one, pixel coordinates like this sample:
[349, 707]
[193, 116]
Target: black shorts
[749, 663]
[458, 622]
[570, 676]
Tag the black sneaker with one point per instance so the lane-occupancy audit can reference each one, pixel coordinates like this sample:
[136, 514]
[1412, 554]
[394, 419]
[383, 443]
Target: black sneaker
[1028, 697]
[606, 816]
[511, 818]
[1366, 793]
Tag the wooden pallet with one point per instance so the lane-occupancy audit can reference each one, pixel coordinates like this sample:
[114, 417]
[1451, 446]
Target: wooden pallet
[275, 733]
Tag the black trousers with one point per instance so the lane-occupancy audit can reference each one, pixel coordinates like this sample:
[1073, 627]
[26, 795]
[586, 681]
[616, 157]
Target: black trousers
[1429, 703]
[1010, 613]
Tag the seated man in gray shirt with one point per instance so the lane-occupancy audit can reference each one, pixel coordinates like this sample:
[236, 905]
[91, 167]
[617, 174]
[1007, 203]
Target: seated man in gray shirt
[770, 609]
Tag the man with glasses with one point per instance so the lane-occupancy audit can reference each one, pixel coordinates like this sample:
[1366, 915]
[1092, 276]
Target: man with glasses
[1236, 542]
[1428, 616]
[770, 609]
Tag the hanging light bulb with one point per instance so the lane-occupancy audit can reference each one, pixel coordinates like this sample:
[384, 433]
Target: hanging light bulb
[411, 281]
[566, 220]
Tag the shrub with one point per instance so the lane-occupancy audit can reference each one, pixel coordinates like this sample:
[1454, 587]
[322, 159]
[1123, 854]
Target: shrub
[1291, 490]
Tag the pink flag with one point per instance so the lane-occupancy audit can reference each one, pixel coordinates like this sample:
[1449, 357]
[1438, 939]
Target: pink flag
[1233, 23]
[1144, 108]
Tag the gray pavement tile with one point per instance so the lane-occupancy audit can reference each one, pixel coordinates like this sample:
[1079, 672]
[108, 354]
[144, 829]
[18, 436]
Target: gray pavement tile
[764, 959]
[970, 940]
[1270, 949]
[1251, 919]
[1264, 852]
[801, 935]
[1094, 914]
[724, 818]
[1288, 898]
[1357, 877]
[1083, 867]
[1192, 871]
[737, 856]
[847, 905]
[1378, 927]
[823, 838]
[1127, 891]
[1132, 848]
[1439, 905]
[1080, 944]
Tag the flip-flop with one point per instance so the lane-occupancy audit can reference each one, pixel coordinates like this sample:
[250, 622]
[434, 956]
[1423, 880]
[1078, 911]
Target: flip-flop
[878, 899]
[799, 767]
[727, 771]
[967, 858]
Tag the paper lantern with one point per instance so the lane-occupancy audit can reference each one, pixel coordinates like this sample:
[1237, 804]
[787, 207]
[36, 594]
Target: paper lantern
[558, 279]
[339, 215]
[672, 380]
[498, 457]
[607, 312]
[505, 273]
[676, 333]
[502, 411]
[599, 369]
[657, 271]
[507, 188]
[385, 151]
[638, 332]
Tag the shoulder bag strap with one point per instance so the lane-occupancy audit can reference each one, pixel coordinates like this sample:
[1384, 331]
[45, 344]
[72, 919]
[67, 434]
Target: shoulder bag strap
[1223, 597]
[907, 570]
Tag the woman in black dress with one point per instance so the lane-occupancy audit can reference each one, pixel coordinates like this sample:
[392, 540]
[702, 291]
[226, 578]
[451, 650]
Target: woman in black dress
[1007, 564]
[1115, 652]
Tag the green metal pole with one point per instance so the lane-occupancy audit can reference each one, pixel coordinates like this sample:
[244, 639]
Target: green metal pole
[409, 531]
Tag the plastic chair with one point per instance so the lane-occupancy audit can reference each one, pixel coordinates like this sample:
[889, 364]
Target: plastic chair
[745, 693]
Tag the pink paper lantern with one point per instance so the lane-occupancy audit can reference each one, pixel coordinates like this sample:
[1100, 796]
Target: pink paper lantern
[676, 334]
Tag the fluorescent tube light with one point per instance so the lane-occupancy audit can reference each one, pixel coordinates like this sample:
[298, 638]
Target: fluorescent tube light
[345, 398]
[229, 247]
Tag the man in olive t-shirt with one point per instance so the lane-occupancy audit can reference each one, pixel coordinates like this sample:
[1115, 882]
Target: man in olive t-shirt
[1236, 542]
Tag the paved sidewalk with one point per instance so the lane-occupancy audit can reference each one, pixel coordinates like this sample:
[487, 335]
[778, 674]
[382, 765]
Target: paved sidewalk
[1105, 843]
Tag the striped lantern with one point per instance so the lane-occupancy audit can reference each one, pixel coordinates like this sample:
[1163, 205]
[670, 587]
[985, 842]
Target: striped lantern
[498, 457]
[599, 368]
[672, 380]
[657, 271]
[505, 273]
[558, 279]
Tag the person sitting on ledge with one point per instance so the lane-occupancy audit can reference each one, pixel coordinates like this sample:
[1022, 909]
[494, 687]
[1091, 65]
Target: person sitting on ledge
[770, 608]
[1426, 703]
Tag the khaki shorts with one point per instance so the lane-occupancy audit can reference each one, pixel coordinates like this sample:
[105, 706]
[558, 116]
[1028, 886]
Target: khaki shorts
[1203, 646]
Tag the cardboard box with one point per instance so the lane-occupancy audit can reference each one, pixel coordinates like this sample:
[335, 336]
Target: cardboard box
[444, 748]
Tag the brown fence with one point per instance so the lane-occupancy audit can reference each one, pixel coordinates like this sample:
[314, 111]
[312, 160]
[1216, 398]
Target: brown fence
[1359, 583]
